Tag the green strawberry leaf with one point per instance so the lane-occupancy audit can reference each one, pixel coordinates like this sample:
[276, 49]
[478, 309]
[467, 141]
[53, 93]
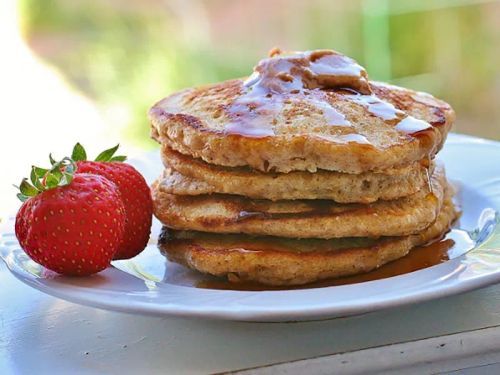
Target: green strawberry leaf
[40, 172]
[27, 189]
[51, 181]
[36, 174]
[23, 198]
[51, 159]
[63, 181]
[68, 177]
[78, 153]
[61, 172]
[56, 172]
[119, 158]
[34, 178]
[106, 155]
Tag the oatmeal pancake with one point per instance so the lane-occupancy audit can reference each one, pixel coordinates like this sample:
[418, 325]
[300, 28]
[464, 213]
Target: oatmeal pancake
[284, 261]
[187, 176]
[222, 213]
[303, 111]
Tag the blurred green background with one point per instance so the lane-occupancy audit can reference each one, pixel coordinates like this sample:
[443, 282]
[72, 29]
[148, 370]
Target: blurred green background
[125, 55]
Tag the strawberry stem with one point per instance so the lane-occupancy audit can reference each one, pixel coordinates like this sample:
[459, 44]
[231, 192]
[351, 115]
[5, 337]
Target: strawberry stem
[60, 174]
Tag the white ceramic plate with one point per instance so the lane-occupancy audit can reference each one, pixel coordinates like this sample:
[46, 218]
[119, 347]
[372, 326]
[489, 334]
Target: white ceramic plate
[148, 284]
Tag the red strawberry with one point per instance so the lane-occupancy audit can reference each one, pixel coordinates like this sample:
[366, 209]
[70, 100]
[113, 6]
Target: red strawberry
[135, 194]
[72, 225]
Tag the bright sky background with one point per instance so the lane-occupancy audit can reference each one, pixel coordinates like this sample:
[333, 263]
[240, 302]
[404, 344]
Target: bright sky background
[40, 113]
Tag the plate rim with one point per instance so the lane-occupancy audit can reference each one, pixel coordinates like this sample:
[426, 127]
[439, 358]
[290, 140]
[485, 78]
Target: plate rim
[272, 313]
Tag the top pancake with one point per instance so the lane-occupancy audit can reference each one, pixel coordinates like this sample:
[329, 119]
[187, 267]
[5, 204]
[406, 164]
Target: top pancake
[304, 111]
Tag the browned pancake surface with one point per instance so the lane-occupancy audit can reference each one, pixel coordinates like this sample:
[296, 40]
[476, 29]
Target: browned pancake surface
[282, 261]
[291, 115]
[222, 213]
[188, 176]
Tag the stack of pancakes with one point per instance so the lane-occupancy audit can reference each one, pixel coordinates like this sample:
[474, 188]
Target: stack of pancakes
[304, 171]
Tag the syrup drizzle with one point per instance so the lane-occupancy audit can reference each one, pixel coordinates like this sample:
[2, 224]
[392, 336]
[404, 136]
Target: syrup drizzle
[276, 80]
[355, 138]
[377, 107]
[411, 125]
[305, 76]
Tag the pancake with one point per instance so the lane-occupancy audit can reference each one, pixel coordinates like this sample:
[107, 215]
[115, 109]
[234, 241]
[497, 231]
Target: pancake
[303, 111]
[187, 176]
[301, 218]
[282, 261]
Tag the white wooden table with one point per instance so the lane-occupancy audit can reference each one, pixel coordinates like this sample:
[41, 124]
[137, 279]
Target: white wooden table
[40, 334]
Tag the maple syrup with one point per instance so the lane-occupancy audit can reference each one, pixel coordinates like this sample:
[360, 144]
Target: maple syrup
[418, 258]
[307, 77]
[377, 107]
[280, 79]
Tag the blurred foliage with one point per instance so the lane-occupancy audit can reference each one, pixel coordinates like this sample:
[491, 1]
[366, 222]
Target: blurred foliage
[122, 58]
[410, 58]
[126, 55]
